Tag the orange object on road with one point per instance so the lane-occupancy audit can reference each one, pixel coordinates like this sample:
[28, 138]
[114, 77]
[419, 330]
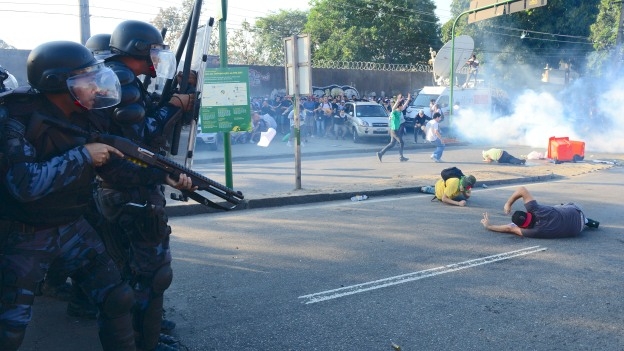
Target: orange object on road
[565, 150]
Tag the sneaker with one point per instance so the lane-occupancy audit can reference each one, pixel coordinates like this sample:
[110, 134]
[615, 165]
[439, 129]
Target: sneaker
[379, 156]
[403, 159]
[432, 157]
[437, 160]
[591, 223]
[428, 189]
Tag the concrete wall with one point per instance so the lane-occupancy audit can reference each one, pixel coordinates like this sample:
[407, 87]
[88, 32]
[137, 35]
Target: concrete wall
[270, 80]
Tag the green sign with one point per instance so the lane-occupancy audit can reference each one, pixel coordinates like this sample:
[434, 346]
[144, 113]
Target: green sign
[225, 100]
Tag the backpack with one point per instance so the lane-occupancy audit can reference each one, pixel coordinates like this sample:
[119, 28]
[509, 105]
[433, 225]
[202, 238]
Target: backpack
[452, 172]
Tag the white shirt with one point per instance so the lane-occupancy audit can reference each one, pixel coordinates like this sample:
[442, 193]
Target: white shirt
[431, 127]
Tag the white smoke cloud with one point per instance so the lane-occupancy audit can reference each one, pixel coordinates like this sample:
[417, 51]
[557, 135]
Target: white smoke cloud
[584, 111]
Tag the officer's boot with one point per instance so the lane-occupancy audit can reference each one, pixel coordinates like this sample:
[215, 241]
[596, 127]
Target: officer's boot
[11, 337]
[80, 305]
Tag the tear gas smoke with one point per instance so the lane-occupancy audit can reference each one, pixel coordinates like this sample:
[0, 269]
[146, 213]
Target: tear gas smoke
[586, 110]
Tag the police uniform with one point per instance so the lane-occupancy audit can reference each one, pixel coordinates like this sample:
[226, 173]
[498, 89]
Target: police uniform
[47, 187]
[138, 209]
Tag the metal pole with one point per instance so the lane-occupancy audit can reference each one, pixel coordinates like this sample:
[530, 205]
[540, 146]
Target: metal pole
[227, 144]
[296, 116]
[452, 78]
[85, 24]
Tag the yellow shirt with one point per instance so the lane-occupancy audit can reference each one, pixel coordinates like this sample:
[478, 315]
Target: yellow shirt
[493, 154]
[451, 189]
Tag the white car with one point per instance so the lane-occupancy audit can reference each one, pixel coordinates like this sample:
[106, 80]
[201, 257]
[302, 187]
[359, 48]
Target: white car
[367, 120]
[213, 140]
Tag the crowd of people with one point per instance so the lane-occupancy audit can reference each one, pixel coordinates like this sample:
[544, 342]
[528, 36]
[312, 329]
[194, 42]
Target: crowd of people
[320, 116]
[76, 209]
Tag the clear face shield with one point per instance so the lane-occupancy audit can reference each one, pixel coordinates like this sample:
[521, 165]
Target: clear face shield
[164, 61]
[95, 87]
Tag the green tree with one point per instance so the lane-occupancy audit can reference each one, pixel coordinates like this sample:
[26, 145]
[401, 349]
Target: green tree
[241, 48]
[556, 33]
[604, 30]
[390, 31]
[174, 18]
[270, 31]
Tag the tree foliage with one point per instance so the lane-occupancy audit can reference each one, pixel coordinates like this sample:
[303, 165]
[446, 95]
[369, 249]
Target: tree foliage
[242, 47]
[271, 30]
[554, 34]
[390, 31]
[604, 30]
[174, 19]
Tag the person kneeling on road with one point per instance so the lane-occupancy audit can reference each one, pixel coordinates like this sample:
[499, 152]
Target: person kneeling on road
[541, 221]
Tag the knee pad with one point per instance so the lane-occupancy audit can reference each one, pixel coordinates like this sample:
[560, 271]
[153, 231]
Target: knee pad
[118, 302]
[162, 279]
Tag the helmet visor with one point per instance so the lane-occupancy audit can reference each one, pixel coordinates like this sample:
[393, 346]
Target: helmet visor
[10, 82]
[164, 61]
[95, 87]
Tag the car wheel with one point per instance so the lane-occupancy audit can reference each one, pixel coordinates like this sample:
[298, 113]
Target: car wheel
[356, 136]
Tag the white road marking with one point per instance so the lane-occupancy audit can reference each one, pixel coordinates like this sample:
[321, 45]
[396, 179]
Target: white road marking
[404, 278]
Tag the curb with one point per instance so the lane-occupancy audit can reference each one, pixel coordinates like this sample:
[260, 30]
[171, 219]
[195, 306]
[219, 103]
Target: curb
[280, 201]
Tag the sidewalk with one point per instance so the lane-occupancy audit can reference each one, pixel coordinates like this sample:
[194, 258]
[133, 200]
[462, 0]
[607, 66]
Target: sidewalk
[331, 169]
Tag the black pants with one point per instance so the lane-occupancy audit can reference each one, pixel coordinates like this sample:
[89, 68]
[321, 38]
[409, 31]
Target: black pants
[507, 158]
[395, 136]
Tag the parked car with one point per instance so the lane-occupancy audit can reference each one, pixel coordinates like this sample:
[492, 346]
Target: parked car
[366, 120]
[213, 140]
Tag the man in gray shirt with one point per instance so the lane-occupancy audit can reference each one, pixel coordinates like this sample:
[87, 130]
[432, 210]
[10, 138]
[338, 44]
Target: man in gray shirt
[541, 221]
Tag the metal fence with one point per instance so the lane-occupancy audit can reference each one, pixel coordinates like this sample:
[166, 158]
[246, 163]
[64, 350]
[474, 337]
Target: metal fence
[372, 66]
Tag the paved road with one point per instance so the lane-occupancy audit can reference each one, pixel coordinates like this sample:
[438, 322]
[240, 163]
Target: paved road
[243, 279]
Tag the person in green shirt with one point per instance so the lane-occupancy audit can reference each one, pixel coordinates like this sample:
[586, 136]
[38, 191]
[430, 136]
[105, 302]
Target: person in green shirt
[395, 124]
[500, 156]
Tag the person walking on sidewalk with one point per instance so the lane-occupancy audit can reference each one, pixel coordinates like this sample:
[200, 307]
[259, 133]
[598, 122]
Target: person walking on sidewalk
[541, 221]
[433, 135]
[396, 127]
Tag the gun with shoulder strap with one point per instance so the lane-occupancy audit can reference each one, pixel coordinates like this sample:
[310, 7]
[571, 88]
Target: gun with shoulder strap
[146, 158]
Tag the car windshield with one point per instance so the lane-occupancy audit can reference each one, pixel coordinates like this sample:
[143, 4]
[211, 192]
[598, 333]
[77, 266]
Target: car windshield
[371, 111]
[423, 99]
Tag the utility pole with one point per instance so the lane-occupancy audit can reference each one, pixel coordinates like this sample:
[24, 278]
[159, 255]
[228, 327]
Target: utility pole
[85, 21]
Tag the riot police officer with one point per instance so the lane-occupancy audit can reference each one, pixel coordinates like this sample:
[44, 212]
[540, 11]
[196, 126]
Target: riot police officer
[137, 210]
[47, 178]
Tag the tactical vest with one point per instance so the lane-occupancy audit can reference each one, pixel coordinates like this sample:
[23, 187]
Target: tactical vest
[69, 202]
[129, 115]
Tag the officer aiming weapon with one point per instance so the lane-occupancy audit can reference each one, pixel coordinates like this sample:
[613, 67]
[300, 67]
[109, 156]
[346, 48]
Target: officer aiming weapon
[144, 157]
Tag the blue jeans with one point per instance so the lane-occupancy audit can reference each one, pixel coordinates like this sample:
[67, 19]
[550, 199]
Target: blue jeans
[320, 126]
[437, 153]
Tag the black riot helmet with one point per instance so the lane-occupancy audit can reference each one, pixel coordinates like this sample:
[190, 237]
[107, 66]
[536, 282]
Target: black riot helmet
[68, 67]
[99, 44]
[142, 40]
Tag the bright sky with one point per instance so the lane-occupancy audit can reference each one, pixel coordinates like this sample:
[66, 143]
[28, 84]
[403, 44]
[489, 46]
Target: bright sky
[28, 23]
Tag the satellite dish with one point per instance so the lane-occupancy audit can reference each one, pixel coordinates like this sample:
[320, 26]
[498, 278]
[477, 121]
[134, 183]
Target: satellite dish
[463, 50]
